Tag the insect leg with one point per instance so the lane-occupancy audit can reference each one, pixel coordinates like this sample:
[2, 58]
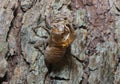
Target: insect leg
[49, 67]
[47, 22]
[81, 61]
[40, 43]
[39, 26]
[48, 72]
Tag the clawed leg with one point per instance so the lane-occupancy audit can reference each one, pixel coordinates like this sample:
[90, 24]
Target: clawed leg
[35, 29]
[81, 61]
[47, 28]
[41, 43]
[46, 76]
[49, 67]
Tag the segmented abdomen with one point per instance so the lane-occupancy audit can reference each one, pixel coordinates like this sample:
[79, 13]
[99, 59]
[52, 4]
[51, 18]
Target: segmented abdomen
[54, 54]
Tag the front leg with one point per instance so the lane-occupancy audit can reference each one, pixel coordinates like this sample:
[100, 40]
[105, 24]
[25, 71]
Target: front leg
[39, 26]
[41, 43]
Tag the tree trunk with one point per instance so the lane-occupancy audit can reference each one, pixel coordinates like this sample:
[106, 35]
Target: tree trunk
[97, 27]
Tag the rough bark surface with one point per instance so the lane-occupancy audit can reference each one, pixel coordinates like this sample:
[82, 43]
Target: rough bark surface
[97, 27]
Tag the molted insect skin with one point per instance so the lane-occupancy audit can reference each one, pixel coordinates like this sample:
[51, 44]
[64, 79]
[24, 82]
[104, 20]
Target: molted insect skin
[55, 58]
[57, 53]
[58, 43]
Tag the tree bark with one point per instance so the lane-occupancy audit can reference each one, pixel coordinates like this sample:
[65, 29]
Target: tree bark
[97, 43]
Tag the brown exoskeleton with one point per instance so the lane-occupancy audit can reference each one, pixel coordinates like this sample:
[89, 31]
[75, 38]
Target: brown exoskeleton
[61, 37]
